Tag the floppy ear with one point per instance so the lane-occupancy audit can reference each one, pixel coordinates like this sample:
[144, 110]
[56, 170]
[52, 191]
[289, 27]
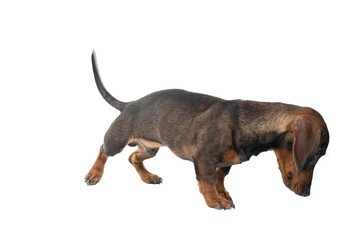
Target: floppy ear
[306, 141]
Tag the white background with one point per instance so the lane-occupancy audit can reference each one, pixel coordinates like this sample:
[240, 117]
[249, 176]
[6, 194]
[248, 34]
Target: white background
[53, 118]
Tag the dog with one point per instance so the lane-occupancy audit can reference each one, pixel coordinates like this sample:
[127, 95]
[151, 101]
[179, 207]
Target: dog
[214, 134]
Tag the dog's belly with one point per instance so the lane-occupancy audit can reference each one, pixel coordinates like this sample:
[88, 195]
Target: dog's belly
[144, 143]
[184, 152]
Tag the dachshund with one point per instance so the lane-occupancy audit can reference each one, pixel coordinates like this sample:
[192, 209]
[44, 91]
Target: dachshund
[214, 134]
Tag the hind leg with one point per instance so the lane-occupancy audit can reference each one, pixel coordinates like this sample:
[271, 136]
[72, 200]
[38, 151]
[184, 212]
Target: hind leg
[114, 142]
[97, 170]
[137, 158]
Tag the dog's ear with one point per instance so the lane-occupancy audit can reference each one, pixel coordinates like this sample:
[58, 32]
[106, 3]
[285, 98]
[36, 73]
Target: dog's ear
[306, 141]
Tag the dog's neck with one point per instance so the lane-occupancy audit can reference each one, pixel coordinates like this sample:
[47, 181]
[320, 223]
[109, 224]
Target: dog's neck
[261, 126]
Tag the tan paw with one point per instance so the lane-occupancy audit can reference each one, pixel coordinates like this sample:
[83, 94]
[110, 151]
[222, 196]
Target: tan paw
[152, 179]
[225, 194]
[93, 177]
[220, 203]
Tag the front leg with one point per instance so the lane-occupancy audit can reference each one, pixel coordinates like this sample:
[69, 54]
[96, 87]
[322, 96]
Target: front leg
[221, 172]
[207, 177]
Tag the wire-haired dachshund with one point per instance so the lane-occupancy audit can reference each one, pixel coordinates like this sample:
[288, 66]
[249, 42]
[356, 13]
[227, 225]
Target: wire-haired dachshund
[214, 134]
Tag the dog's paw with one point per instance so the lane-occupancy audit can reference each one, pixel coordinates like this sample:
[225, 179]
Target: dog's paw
[93, 177]
[225, 194]
[221, 204]
[152, 179]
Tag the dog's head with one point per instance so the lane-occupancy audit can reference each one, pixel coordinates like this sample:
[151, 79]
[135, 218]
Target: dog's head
[305, 143]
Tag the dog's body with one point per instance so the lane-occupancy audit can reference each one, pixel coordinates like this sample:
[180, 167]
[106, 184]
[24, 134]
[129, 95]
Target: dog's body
[214, 134]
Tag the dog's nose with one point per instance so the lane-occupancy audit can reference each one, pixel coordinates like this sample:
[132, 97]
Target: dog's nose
[307, 192]
[302, 189]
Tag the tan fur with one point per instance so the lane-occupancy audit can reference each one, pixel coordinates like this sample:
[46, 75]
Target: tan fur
[145, 143]
[231, 157]
[97, 170]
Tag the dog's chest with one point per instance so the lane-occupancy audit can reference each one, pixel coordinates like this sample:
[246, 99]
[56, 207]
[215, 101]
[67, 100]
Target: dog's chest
[231, 157]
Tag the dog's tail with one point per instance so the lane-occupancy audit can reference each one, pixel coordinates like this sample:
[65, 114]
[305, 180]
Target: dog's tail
[104, 93]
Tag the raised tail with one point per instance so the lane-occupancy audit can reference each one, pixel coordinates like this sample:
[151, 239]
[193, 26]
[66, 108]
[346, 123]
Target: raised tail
[104, 93]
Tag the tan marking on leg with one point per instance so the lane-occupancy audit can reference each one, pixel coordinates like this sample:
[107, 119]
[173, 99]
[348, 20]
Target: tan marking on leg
[212, 198]
[219, 185]
[137, 158]
[97, 170]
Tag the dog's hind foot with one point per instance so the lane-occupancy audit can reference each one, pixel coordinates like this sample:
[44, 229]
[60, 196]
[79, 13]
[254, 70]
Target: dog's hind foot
[93, 177]
[97, 170]
[152, 179]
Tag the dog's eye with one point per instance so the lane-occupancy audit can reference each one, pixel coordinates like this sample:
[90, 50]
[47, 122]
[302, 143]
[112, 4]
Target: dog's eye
[317, 154]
